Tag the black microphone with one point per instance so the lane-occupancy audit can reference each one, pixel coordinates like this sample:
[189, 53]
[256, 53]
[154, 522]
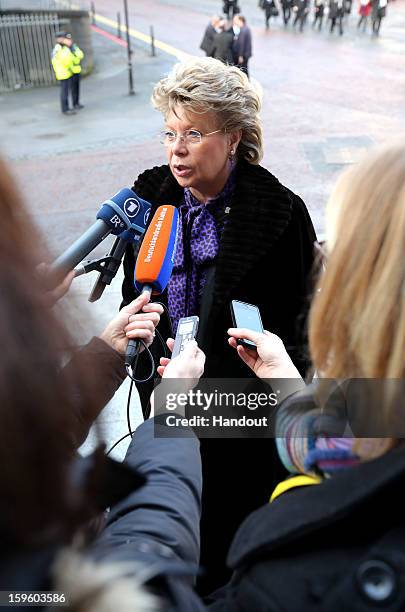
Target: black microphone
[110, 269]
[117, 216]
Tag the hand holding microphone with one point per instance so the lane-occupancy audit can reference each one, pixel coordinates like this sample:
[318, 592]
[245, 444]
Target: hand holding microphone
[138, 321]
[53, 294]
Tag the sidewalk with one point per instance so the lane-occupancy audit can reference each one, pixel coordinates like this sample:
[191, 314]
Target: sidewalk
[66, 166]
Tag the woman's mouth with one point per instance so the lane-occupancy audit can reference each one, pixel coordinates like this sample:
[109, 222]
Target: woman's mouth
[182, 171]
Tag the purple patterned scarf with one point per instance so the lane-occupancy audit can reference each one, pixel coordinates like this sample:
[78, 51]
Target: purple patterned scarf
[197, 248]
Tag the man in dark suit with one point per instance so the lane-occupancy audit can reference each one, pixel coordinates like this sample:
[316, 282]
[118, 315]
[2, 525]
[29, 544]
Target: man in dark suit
[231, 9]
[243, 44]
[222, 46]
[211, 30]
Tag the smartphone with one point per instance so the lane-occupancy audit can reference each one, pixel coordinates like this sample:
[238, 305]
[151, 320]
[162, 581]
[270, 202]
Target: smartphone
[248, 316]
[186, 331]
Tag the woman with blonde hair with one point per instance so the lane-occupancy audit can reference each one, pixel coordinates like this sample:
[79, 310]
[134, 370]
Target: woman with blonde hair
[243, 236]
[348, 442]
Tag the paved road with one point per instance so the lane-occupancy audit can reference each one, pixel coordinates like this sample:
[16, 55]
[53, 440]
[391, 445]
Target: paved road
[326, 99]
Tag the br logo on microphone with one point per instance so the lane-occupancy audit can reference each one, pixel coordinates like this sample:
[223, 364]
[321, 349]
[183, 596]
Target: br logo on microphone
[131, 207]
[115, 220]
[146, 217]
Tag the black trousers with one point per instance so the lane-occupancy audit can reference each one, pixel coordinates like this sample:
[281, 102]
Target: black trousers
[75, 89]
[65, 87]
[302, 19]
[333, 23]
[362, 20]
[320, 19]
[376, 25]
[244, 67]
[286, 14]
[239, 476]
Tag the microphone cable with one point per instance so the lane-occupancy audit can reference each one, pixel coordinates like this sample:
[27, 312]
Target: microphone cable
[140, 381]
[119, 441]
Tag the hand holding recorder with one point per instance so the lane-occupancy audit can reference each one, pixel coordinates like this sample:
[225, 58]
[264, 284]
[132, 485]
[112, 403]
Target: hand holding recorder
[189, 364]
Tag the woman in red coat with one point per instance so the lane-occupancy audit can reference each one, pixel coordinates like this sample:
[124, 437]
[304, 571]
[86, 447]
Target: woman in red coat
[364, 12]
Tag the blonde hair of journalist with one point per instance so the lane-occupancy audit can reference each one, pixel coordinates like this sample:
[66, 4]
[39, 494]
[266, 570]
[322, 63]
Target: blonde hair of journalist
[357, 320]
[206, 84]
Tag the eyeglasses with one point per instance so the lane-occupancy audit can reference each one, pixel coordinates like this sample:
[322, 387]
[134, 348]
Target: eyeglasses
[190, 137]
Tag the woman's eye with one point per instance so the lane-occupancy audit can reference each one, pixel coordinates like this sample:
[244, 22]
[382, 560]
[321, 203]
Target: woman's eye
[193, 136]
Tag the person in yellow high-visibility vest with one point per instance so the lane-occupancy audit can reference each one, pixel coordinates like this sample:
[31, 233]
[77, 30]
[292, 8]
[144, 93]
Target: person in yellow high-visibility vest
[78, 55]
[62, 63]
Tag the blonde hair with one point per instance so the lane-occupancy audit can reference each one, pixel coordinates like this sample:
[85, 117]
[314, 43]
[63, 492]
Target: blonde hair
[206, 84]
[357, 320]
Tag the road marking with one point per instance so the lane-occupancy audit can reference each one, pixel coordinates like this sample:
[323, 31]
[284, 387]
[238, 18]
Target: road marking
[119, 41]
[159, 44]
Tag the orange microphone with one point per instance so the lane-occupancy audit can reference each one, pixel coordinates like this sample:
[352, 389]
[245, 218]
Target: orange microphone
[155, 260]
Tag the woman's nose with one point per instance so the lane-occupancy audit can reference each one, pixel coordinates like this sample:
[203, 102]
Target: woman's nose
[179, 146]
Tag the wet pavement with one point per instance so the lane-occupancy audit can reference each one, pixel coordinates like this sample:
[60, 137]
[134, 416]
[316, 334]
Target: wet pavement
[326, 100]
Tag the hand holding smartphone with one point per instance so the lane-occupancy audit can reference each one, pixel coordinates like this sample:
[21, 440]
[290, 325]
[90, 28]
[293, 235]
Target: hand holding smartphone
[247, 316]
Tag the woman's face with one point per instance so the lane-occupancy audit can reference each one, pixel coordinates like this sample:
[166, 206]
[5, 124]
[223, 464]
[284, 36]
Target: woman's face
[203, 167]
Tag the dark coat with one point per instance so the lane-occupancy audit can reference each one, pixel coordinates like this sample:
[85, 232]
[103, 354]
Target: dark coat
[337, 546]
[208, 39]
[154, 530]
[243, 44]
[301, 8]
[336, 9]
[319, 8]
[222, 46]
[265, 258]
[153, 524]
[269, 7]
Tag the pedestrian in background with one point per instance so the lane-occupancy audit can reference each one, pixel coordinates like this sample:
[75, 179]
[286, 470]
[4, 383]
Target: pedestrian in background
[270, 10]
[364, 12]
[286, 7]
[209, 35]
[348, 7]
[62, 63]
[243, 44]
[231, 9]
[78, 56]
[379, 10]
[336, 13]
[222, 46]
[301, 10]
[319, 8]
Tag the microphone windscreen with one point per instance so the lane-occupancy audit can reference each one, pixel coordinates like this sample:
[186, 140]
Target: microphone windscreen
[124, 211]
[155, 260]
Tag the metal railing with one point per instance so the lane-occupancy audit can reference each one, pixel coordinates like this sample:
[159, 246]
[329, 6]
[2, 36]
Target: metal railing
[44, 5]
[26, 43]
